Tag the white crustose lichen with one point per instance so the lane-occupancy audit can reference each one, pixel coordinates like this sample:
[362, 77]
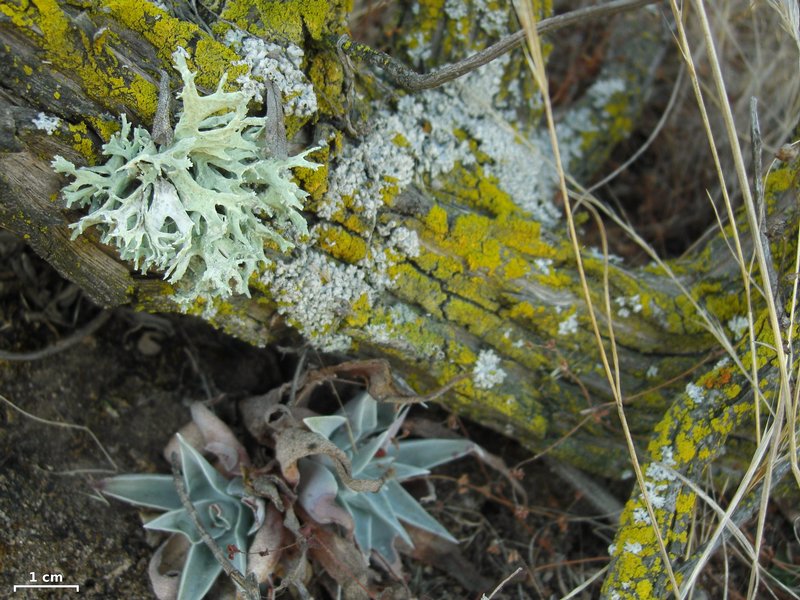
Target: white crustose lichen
[282, 65]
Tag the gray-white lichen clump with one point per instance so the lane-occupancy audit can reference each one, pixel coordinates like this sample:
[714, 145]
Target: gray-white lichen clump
[282, 65]
[201, 208]
[487, 372]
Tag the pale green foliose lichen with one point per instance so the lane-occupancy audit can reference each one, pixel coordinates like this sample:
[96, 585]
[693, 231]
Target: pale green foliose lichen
[200, 208]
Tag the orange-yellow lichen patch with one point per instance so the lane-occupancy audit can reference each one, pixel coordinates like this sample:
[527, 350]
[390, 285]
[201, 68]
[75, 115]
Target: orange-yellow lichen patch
[81, 141]
[474, 289]
[515, 268]
[525, 311]
[440, 266]
[472, 317]
[718, 378]
[341, 244]
[359, 314]
[284, 19]
[104, 127]
[327, 76]
[436, 221]
[412, 286]
[472, 237]
[314, 181]
[524, 236]
[70, 49]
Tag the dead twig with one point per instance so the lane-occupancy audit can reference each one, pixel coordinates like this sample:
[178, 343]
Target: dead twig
[248, 585]
[410, 80]
[61, 345]
[502, 583]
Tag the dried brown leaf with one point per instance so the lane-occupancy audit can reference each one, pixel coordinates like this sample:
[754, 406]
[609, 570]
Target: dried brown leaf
[343, 561]
[165, 565]
[294, 443]
[267, 546]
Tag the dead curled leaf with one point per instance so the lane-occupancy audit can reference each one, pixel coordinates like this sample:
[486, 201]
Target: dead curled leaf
[254, 411]
[294, 443]
[209, 434]
[267, 546]
[375, 374]
[343, 561]
[164, 567]
[265, 485]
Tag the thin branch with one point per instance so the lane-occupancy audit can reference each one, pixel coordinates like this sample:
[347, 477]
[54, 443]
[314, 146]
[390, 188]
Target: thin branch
[410, 80]
[60, 345]
[248, 585]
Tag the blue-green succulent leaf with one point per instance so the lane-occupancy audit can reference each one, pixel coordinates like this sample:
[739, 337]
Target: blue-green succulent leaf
[235, 487]
[427, 454]
[175, 521]
[382, 539]
[218, 519]
[202, 480]
[200, 571]
[152, 491]
[379, 517]
[394, 427]
[407, 509]
[362, 413]
[363, 528]
[325, 425]
[239, 538]
[381, 510]
[389, 468]
[388, 414]
[366, 453]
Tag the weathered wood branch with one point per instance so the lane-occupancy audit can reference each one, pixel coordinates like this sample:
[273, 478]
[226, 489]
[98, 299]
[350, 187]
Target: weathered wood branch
[435, 239]
[426, 249]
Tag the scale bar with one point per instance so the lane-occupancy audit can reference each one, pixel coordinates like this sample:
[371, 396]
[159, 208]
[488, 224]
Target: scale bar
[28, 585]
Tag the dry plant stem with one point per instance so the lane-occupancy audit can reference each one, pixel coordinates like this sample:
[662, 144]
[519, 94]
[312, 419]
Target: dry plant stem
[743, 513]
[702, 558]
[574, 593]
[648, 142]
[410, 80]
[247, 585]
[761, 207]
[61, 345]
[758, 189]
[789, 343]
[65, 425]
[784, 395]
[536, 64]
[502, 583]
[683, 46]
